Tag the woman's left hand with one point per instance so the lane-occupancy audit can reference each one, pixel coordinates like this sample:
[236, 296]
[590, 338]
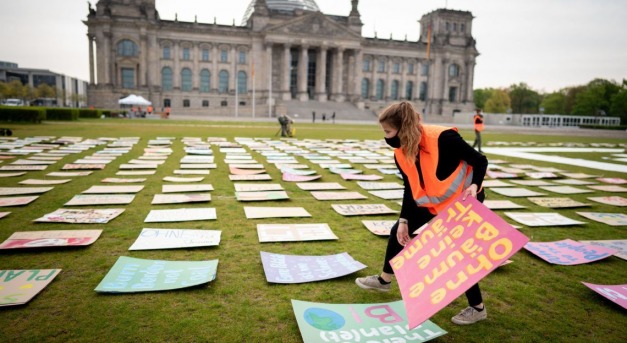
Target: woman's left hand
[471, 190]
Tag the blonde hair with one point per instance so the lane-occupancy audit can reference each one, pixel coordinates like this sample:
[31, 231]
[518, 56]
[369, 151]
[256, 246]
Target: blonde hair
[407, 121]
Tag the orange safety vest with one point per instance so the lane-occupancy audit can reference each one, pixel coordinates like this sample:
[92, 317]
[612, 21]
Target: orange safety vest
[436, 194]
[478, 123]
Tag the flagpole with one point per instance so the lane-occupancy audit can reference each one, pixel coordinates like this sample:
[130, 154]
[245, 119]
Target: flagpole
[236, 89]
[253, 77]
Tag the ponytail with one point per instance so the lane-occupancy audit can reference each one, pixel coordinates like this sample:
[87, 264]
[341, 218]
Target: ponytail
[406, 120]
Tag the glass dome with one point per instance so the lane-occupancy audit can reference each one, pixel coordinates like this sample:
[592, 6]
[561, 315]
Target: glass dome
[282, 5]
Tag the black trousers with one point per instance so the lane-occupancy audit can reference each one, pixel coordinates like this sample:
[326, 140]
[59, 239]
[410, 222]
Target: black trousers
[418, 218]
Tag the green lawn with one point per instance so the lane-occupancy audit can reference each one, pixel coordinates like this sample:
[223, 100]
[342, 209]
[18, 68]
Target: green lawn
[528, 300]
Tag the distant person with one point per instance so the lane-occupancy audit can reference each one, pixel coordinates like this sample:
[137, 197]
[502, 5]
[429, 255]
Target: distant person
[167, 112]
[333, 117]
[286, 125]
[149, 109]
[324, 116]
[437, 166]
[313, 116]
[478, 122]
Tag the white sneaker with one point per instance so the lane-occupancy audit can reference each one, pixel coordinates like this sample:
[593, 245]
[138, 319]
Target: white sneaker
[470, 315]
[372, 282]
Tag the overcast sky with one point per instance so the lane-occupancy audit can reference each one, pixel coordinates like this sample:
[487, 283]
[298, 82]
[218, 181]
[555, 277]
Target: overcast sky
[549, 44]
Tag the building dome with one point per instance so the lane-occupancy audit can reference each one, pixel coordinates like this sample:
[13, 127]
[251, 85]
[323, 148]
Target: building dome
[283, 6]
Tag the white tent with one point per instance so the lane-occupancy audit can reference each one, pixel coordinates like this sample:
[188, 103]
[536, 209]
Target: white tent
[134, 100]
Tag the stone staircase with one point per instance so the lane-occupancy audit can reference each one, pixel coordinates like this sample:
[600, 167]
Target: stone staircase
[344, 111]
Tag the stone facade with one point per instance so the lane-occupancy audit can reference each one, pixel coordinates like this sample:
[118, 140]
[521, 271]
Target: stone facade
[276, 55]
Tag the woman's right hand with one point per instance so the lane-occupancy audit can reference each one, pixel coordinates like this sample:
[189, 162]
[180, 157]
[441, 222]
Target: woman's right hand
[402, 233]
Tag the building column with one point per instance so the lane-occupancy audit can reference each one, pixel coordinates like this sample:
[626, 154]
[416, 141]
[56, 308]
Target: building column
[233, 79]
[143, 58]
[214, 69]
[403, 87]
[176, 73]
[302, 73]
[321, 76]
[470, 74]
[268, 68]
[374, 81]
[107, 59]
[339, 87]
[90, 39]
[445, 84]
[359, 66]
[286, 73]
[388, 79]
[195, 68]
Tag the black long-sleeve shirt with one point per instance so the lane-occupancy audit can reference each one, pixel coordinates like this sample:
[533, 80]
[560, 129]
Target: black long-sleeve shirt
[452, 150]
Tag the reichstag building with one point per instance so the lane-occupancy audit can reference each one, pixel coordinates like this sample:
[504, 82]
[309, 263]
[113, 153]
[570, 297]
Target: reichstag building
[286, 56]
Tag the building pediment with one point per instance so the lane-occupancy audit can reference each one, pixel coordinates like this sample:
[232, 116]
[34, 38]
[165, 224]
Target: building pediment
[315, 24]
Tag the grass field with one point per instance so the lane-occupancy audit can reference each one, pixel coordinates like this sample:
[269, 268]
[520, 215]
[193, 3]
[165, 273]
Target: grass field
[528, 300]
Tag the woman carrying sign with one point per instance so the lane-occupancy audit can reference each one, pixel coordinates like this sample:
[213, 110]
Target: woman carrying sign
[437, 166]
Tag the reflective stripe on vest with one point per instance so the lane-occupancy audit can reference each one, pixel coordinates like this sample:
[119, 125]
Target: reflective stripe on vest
[451, 190]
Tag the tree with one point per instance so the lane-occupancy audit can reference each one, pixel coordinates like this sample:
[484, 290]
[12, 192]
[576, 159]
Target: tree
[571, 95]
[498, 102]
[45, 91]
[596, 98]
[524, 99]
[481, 95]
[618, 108]
[4, 90]
[554, 103]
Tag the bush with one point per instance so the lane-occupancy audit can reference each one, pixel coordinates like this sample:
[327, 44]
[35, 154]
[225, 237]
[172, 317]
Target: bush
[61, 114]
[87, 113]
[604, 127]
[106, 113]
[22, 114]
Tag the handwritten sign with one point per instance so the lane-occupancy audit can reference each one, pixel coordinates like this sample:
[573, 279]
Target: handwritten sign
[611, 200]
[281, 268]
[130, 275]
[50, 238]
[612, 219]
[294, 232]
[459, 247]
[181, 215]
[90, 216]
[615, 293]
[619, 244]
[568, 252]
[359, 210]
[319, 322]
[18, 287]
[150, 239]
[379, 227]
[17, 201]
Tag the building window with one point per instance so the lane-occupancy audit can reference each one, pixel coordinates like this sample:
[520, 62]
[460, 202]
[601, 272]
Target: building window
[396, 68]
[186, 54]
[185, 102]
[242, 57]
[409, 90]
[394, 90]
[424, 70]
[126, 47]
[166, 79]
[410, 68]
[205, 103]
[380, 88]
[462, 27]
[447, 26]
[166, 52]
[455, 27]
[381, 66]
[453, 70]
[186, 80]
[423, 91]
[224, 103]
[205, 81]
[365, 88]
[366, 65]
[166, 102]
[242, 82]
[224, 56]
[205, 55]
[452, 94]
[223, 83]
[128, 78]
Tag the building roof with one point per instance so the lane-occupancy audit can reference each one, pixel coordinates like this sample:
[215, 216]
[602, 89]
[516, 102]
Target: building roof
[283, 6]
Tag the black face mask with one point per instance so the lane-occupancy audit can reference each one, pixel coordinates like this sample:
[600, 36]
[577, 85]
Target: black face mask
[394, 142]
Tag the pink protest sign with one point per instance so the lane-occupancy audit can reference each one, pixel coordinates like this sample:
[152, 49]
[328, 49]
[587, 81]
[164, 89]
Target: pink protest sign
[615, 293]
[568, 252]
[459, 247]
[299, 178]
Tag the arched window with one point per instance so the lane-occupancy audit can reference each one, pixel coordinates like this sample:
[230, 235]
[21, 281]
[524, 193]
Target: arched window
[126, 47]
[242, 82]
[223, 82]
[409, 90]
[380, 87]
[453, 70]
[394, 90]
[423, 91]
[205, 81]
[365, 88]
[186, 80]
[166, 79]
